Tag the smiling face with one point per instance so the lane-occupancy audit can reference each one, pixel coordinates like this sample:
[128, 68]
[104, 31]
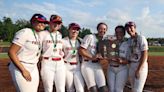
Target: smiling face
[131, 30]
[39, 26]
[102, 28]
[120, 33]
[73, 32]
[55, 26]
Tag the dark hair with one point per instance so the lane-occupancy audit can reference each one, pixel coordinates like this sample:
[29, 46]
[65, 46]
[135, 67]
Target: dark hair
[101, 23]
[122, 27]
[130, 23]
[75, 25]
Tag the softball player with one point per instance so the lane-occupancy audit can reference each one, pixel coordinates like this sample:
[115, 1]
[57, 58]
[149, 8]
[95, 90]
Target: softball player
[91, 69]
[118, 69]
[74, 79]
[24, 53]
[52, 64]
[138, 55]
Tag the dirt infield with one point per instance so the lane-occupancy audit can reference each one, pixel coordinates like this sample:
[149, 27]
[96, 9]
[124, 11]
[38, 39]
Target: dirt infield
[154, 83]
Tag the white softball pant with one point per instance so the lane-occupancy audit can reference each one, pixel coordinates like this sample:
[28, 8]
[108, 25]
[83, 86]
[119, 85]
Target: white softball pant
[74, 79]
[93, 74]
[20, 82]
[138, 84]
[117, 77]
[53, 72]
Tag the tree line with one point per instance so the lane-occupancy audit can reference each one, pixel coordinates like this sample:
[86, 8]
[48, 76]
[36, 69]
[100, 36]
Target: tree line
[8, 28]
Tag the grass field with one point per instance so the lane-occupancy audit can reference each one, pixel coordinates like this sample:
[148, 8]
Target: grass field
[156, 53]
[4, 55]
[153, 50]
[156, 48]
[4, 44]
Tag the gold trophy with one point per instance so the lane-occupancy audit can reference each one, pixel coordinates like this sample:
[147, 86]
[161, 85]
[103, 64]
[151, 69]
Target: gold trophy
[108, 47]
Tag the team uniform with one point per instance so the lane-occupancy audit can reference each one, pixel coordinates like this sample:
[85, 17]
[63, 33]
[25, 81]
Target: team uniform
[28, 55]
[52, 64]
[118, 73]
[74, 79]
[134, 57]
[92, 71]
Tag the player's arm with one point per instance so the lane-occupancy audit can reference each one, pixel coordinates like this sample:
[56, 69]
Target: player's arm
[144, 56]
[13, 50]
[83, 52]
[122, 60]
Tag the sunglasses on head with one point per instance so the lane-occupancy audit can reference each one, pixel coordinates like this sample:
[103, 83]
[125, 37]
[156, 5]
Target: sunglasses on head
[41, 17]
[41, 22]
[76, 28]
[57, 22]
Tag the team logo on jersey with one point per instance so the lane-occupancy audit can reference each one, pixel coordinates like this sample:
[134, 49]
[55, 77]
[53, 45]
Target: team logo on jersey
[54, 50]
[73, 56]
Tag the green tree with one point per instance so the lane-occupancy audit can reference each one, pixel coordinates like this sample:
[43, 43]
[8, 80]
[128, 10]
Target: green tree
[64, 31]
[2, 34]
[84, 32]
[8, 29]
[21, 23]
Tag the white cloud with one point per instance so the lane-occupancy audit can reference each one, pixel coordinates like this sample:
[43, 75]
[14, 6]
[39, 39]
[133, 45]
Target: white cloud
[150, 24]
[145, 12]
[44, 8]
[118, 15]
[91, 3]
[149, 19]
[85, 19]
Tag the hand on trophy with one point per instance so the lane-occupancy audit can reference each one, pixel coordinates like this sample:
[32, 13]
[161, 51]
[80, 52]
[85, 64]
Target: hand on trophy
[99, 56]
[119, 60]
[95, 57]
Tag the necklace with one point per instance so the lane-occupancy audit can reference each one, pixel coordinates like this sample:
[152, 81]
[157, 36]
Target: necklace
[54, 41]
[74, 48]
[133, 45]
[37, 40]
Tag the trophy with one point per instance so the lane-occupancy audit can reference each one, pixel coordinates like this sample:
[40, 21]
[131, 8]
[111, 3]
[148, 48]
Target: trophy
[108, 47]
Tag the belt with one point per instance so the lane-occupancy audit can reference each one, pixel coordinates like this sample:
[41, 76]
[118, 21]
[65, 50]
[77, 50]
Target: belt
[133, 61]
[114, 65]
[94, 61]
[53, 59]
[71, 63]
[27, 62]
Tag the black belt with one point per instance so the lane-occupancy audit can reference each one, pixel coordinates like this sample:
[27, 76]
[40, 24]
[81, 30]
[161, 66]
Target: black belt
[114, 65]
[133, 61]
[93, 61]
[71, 63]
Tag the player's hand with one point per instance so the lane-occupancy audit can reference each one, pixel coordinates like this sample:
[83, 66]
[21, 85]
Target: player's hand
[99, 57]
[137, 74]
[113, 59]
[119, 60]
[26, 75]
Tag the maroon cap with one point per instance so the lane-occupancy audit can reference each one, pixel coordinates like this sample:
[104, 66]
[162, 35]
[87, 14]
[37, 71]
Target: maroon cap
[55, 19]
[130, 23]
[74, 25]
[39, 18]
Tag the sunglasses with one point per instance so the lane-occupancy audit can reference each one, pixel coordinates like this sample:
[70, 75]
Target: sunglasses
[76, 28]
[57, 22]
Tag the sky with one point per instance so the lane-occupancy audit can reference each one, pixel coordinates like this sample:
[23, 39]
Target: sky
[147, 14]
